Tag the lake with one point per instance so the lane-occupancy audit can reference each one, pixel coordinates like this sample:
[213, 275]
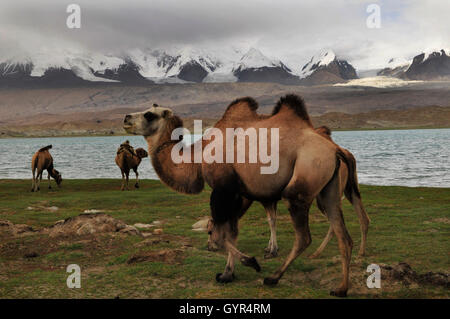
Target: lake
[391, 157]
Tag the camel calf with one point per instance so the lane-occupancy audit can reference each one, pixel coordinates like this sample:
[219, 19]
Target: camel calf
[42, 160]
[127, 158]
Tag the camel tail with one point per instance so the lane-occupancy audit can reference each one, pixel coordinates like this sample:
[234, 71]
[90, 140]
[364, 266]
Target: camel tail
[45, 148]
[351, 188]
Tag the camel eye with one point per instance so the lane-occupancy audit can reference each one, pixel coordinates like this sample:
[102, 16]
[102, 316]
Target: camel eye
[149, 116]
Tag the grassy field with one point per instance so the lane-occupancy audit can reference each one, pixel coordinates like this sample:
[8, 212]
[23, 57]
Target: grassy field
[408, 225]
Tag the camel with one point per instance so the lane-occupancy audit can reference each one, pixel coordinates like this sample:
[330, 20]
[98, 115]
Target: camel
[271, 210]
[308, 168]
[127, 158]
[42, 160]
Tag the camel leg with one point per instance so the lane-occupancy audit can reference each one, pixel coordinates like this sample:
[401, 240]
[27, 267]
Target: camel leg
[122, 187]
[137, 178]
[330, 199]
[127, 175]
[363, 223]
[38, 180]
[272, 248]
[33, 181]
[324, 243]
[48, 177]
[233, 253]
[299, 210]
[328, 236]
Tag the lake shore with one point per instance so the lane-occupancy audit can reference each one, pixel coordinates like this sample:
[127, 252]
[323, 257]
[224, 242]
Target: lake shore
[408, 225]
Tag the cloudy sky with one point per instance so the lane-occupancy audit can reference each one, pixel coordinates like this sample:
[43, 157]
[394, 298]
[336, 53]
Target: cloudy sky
[290, 30]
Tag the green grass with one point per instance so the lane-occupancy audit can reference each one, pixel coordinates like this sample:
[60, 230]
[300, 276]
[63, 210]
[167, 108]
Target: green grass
[407, 225]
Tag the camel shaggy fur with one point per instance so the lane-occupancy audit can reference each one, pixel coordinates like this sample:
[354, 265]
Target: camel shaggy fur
[308, 168]
[42, 160]
[127, 159]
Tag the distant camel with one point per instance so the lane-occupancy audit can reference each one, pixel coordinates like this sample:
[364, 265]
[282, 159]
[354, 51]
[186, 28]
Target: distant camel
[42, 160]
[127, 158]
[308, 168]
[271, 209]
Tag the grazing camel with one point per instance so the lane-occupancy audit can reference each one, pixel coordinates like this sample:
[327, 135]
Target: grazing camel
[308, 168]
[42, 160]
[127, 159]
[271, 210]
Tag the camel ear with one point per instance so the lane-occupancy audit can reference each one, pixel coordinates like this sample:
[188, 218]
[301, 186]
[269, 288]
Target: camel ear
[166, 113]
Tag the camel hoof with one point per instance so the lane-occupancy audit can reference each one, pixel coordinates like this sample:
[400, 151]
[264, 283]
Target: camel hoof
[136, 185]
[270, 255]
[32, 190]
[270, 281]
[49, 187]
[251, 262]
[338, 293]
[224, 278]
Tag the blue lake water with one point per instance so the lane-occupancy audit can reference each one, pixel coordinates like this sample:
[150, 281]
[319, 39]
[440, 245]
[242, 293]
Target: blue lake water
[396, 157]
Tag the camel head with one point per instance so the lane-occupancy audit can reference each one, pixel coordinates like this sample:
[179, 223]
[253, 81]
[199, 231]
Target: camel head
[58, 177]
[141, 153]
[149, 122]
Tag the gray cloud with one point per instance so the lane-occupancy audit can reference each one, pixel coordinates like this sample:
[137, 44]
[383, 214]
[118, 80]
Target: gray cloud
[289, 29]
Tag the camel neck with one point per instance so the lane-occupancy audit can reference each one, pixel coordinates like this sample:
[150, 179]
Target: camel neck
[182, 177]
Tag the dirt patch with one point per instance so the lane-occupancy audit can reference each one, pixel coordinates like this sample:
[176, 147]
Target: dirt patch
[9, 229]
[88, 224]
[404, 273]
[169, 256]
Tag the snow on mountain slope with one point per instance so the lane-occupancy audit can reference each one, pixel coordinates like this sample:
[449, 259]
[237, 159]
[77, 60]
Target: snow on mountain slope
[254, 59]
[323, 59]
[82, 64]
[378, 82]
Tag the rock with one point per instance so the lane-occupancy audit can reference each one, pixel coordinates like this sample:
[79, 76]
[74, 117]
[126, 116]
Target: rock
[30, 208]
[201, 225]
[52, 208]
[156, 222]
[158, 231]
[90, 223]
[93, 211]
[144, 226]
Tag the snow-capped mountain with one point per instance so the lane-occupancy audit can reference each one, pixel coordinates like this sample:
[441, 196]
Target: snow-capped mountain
[430, 65]
[254, 66]
[395, 67]
[173, 66]
[326, 68]
[186, 64]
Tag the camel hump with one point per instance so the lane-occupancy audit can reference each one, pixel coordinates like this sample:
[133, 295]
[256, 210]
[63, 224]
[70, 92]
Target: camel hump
[295, 103]
[242, 107]
[45, 148]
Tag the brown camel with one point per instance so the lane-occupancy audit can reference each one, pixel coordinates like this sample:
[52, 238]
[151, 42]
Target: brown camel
[127, 158]
[42, 160]
[271, 210]
[308, 168]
